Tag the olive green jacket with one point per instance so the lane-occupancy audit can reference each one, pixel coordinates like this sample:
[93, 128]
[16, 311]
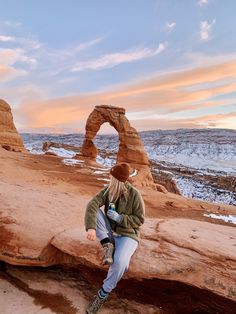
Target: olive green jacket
[130, 206]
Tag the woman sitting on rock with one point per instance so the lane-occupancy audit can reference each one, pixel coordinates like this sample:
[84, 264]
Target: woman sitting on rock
[117, 228]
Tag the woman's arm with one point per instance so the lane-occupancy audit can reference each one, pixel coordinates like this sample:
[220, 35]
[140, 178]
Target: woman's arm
[136, 219]
[96, 202]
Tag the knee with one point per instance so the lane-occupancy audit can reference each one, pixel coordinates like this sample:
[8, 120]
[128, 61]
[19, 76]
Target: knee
[121, 263]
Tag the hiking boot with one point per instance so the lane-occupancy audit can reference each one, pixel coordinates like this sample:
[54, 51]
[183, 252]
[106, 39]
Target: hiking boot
[95, 305]
[108, 249]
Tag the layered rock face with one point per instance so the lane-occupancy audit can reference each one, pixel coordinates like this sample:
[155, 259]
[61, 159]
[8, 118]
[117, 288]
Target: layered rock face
[42, 223]
[198, 253]
[9, 137]
[131, 149]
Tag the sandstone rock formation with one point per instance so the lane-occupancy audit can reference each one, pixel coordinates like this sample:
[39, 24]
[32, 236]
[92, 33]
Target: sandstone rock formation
[165, 179]
[174, 249]
[9, 137]
[131, 149]
[43, 225]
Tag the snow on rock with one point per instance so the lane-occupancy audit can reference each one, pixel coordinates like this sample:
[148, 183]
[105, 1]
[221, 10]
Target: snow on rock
[99, 169]
[100, 172]
[108, 162]
[192, 188]
[226, 218]
[104, 179]
[71, 162]
[201, 152]
[134, 173]
[62, 152]
[201, 149]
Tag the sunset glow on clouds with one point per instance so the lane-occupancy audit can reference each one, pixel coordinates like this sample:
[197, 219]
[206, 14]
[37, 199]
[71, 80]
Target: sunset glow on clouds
[167, 73]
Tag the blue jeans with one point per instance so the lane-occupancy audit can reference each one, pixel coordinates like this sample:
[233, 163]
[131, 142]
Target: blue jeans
[124, 249]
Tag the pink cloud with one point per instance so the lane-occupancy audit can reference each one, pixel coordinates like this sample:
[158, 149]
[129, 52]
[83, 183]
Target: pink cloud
[158, 96]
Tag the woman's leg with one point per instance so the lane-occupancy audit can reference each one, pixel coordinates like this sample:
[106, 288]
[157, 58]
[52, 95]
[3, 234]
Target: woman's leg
[103, 229]
[125, 248]
[104, 234]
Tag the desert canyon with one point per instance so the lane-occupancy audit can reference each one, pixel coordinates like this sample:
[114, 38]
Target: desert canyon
[186, 261]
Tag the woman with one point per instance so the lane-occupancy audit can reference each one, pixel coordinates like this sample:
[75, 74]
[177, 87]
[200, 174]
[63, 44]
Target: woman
[117, 228]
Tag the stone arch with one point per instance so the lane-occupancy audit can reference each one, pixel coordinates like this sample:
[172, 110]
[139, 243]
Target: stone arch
[131, 149]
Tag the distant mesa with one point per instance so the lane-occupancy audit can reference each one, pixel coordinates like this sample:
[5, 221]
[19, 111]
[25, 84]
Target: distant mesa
[9, 137]
[131, 149]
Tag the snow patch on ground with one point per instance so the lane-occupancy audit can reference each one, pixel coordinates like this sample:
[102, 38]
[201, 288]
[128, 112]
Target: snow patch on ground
[133, 174]
[61, 152]
[194, 189]
[226, 218]
[34, 149]
[103, 179]
[100, 171]
[108, 161]
[71, 162]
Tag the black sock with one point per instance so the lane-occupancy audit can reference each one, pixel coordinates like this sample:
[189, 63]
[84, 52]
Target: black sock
[105, 240]
[102, 294]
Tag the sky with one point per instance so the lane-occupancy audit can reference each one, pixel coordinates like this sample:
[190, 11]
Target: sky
[170, 63]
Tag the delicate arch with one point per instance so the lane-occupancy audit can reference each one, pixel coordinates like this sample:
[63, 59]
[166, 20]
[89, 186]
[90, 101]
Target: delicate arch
[131, 149]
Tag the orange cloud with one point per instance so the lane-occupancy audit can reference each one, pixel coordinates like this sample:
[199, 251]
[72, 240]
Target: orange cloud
[161, 95]
[213, 121]
[7, 73]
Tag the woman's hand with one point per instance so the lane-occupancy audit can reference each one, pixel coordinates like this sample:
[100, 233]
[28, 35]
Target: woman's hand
[112, 214]
[91, 234]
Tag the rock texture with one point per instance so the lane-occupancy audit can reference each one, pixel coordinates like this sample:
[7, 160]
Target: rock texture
[165, 179]
[174, 249]
[31, 290]
[9, 137]
[131, 149]
[43, 225]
